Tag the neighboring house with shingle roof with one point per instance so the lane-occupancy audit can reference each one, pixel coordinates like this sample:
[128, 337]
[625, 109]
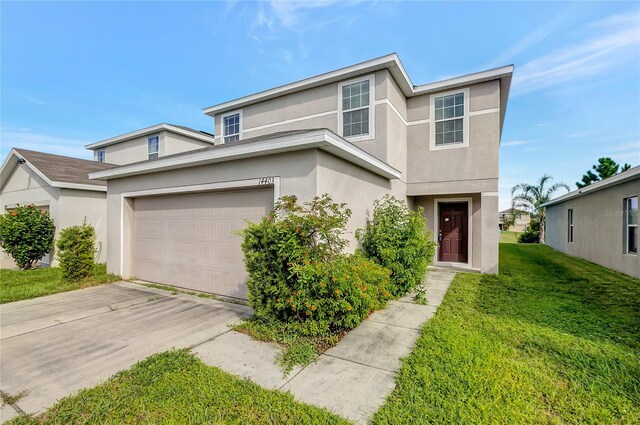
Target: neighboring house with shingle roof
[60, 185]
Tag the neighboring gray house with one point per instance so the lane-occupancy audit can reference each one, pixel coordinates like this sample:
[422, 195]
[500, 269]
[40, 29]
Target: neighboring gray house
[356, 133]
[60, 185]
[599, 222]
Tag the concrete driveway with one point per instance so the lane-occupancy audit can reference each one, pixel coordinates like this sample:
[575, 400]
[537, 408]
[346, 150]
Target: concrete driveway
[52, 346]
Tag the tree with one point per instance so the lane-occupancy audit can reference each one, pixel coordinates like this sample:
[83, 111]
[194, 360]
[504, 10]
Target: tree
[529, 198]
[605, 168]
[509, 219]
[26, 234]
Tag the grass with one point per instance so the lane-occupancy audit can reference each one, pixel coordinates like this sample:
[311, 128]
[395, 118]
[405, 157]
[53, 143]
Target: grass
[16, 285]
[508, 236]
[552, 339]
[176, 387]
[297, 350]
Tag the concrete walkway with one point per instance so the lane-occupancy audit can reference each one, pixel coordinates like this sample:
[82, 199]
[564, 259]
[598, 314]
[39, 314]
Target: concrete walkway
[351, 379]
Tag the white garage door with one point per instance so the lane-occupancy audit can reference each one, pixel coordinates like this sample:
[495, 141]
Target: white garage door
[188, 241]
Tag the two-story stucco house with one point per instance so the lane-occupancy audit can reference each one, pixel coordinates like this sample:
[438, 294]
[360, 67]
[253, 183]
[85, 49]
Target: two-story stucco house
[356, 133]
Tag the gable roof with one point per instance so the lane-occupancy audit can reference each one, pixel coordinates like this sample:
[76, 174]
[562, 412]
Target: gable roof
[623, 177]
[56, 170]
[268, 144]
[395, 67]
[202, 136]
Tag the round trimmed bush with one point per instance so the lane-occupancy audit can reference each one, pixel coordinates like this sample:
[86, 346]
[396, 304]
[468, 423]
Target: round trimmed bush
[26, 234]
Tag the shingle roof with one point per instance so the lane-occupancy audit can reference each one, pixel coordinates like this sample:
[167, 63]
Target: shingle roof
[63, 168]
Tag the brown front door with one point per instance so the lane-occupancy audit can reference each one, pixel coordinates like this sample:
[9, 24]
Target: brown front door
[452, 236]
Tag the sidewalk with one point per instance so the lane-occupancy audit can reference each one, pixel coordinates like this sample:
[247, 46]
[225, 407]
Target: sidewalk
[351, 379]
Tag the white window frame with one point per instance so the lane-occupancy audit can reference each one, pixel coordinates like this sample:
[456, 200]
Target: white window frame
[101, 153]
[372, 108]
[570, 226]
[626, 225]
[240, 129]
[465, 121]
[157, 152]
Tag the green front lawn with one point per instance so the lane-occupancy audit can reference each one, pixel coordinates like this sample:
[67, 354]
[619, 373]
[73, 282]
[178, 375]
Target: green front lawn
[175, 387]
[552, 339]
[16, 285]
[507, 236]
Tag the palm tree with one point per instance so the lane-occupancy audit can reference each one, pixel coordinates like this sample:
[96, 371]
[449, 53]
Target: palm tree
[529, 198]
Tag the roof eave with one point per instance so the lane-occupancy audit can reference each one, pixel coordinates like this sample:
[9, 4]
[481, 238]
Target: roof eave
[321, 139]
[623, 177]
[150, 130]
[391, 62]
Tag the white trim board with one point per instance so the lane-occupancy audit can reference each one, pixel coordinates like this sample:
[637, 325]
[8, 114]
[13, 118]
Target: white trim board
[292, 120]
[436, 221]
[254, 183]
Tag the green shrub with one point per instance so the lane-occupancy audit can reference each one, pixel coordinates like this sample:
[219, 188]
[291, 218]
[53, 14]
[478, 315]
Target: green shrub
[531, 234]
[298, 272]
[76, 250]
[26, 234]
[397, 239]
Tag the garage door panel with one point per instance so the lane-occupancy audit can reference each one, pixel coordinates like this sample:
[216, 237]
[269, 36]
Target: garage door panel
[188, 240]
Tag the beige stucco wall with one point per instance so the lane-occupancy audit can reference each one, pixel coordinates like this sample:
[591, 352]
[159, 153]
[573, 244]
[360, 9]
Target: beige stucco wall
[598, 228]
[74, 205]
[136, 150]
[318, 108]
[67, 207]
[357, 187]
[473, 168]
[484, 226]
[297, 172]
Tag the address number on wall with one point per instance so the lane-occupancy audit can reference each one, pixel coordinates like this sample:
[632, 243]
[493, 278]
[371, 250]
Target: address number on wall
[266, 180]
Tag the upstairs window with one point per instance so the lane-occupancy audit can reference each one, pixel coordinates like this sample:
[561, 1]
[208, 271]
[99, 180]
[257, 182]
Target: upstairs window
[231, 127]
[631, 225]
[570, 225]
[100, 155]
[153, 147]
[450, 112]
[356, 109]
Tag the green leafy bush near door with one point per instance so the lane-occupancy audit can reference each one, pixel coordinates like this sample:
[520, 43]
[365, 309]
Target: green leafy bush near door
[397, 238]
[298, 272]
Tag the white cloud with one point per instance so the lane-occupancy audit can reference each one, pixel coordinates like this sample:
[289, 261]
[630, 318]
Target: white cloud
[32, 99]
[530, 40]
[28, 139]
[610, 42]
[515, 143]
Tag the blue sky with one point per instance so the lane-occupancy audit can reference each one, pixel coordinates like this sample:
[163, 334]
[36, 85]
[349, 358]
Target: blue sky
[74, 73]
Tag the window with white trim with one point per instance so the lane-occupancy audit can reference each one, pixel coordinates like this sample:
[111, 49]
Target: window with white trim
[570, 225]
[631, 225]
[100, 155]
[449, 119]
[153, 146]
[356, 114]
[231, 127]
